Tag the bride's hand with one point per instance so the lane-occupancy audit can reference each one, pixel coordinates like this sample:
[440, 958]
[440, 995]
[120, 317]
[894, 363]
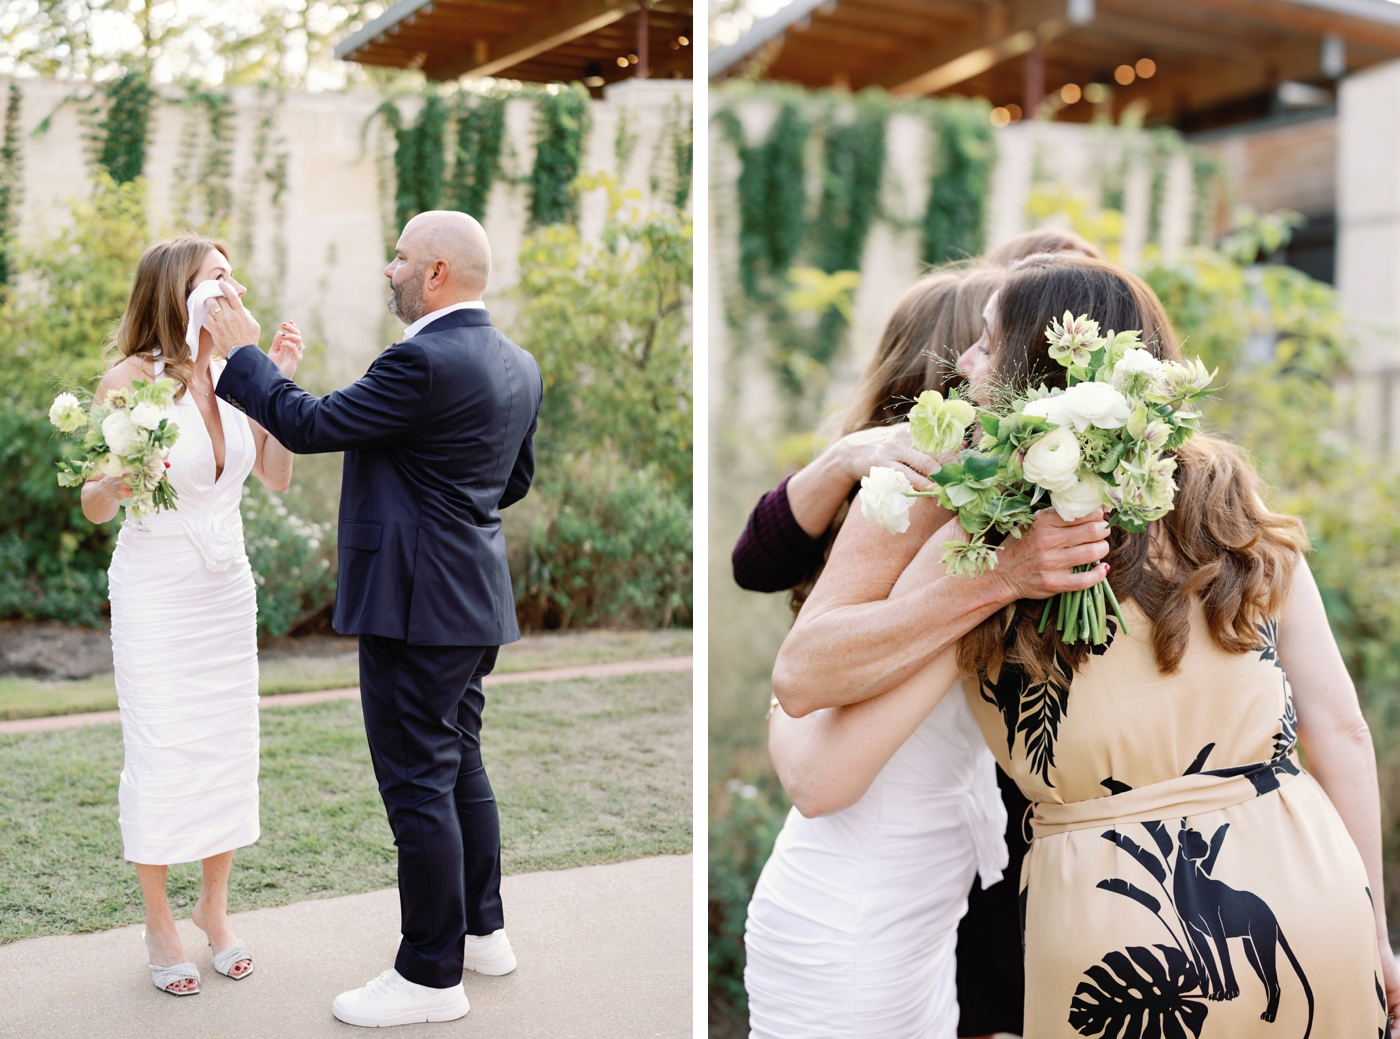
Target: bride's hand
[1039, 564]
[1391, 973]
[230, 325]
[286, 348]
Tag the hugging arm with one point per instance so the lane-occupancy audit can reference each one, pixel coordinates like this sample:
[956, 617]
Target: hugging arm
[828, 759]
[1336, 739]
[380, 409]
[853, 641]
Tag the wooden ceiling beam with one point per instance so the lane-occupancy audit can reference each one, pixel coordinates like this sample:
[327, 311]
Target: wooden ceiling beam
[538, 36]
[1304, 18]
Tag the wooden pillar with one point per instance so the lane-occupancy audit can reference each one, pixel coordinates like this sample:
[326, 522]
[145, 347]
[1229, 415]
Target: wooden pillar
[643, 43]
[1035, 79]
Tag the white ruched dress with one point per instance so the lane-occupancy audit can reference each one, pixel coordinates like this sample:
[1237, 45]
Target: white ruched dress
[852, 931]
[184, 643]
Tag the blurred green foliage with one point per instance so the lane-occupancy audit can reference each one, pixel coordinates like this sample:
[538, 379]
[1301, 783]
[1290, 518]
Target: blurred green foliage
[743, 827]
[292, 558]
[607, 529]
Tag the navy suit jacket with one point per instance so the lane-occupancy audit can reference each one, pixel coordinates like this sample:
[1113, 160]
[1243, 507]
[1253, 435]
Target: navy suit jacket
[438, 438]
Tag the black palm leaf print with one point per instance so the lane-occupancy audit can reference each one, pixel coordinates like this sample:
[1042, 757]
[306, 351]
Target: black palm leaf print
[1138, 993]
[1132, 993]
[1035, 709]
[1268, 652]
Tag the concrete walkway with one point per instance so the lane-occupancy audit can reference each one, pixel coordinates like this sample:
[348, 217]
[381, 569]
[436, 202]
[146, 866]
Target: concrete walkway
[604, 951]
[553, 674]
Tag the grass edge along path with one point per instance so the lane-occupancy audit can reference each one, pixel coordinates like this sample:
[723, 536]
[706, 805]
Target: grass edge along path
[587, 771]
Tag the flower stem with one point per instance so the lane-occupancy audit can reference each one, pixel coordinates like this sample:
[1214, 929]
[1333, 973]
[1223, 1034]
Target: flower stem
[1117, 610]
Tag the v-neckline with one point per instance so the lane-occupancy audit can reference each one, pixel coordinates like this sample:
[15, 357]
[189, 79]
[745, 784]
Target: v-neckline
[218, 472]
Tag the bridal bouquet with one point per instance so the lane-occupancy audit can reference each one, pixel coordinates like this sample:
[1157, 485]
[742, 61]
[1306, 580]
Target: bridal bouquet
[127, 435]
[1104, 441]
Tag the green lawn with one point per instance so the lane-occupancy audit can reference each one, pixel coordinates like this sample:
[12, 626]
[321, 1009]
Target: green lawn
[285, 673]
[586, 771]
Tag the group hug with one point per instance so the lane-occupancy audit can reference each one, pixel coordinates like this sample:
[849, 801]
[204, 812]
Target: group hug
[1171, 831]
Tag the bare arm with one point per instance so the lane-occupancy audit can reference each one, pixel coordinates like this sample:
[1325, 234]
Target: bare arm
[102, 495]
[827, 760]
[852, 641]
[1336, 739]
[817, 492]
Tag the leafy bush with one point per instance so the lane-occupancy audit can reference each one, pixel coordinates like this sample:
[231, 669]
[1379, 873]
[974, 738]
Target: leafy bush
[742, 831]
[604, 545]
[291, 559]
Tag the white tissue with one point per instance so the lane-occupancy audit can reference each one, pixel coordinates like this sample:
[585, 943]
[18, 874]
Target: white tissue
[198, 308]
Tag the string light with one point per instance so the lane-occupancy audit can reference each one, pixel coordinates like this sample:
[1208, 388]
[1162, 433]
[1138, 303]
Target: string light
[1146, 68]
[1097, 93]
[1070, 93]
[1124, 74]
[1000, 117]
[1014, 111]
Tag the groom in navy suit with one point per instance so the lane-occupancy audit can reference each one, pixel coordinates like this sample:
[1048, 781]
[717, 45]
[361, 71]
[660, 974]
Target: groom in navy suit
[438, 437]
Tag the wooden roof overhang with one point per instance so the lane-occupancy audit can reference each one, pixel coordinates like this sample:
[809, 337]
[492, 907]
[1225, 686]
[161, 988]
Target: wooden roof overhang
[1208, 53]
[538, 41]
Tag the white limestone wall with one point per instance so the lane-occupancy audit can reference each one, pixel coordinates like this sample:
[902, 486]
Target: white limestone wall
[321, 253]
[1368, 241]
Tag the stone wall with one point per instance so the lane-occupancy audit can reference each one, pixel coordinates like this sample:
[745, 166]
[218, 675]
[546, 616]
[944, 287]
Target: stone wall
[315, 250]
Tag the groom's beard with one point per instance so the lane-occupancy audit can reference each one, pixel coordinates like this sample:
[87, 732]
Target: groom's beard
[406, 301]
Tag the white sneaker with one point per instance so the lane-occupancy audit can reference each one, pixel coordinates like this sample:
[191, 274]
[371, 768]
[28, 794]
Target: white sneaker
[490, 954]
[391, 999]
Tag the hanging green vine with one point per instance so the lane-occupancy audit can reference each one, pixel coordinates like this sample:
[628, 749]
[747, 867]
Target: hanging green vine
[561, 125]
[624, 143]
[480, 133]
[125, 127]
[772, 197]
[683, 154]
[11, 186]
[955, 217]
[420, 158]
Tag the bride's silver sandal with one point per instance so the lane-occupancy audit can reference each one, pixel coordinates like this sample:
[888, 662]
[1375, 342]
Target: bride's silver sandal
[224, 961]
[163, 977]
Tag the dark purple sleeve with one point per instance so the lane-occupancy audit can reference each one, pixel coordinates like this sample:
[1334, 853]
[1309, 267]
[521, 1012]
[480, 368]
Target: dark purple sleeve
[774, 553]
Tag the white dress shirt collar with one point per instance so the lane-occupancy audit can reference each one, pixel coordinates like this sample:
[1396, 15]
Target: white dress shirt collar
[427, 319]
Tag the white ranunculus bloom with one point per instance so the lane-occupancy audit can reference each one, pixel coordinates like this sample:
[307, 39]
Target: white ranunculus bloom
[1137, 367]
[66, 413]
[883, 498]
[1078, 501]
[1053, 460]
[147, 415]
[110, 465]
[1083, 405]
[121, 433]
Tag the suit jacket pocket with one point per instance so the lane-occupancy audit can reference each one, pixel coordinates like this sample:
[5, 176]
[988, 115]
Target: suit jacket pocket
[361, 534]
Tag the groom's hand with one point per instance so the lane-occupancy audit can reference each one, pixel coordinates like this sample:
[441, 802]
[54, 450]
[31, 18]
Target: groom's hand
[230, 325]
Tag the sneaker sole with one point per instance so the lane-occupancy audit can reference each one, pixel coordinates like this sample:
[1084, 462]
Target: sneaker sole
[491, 968]
[405, 1017]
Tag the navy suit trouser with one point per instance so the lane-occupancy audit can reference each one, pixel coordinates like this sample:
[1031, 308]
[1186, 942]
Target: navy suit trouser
[422, 709]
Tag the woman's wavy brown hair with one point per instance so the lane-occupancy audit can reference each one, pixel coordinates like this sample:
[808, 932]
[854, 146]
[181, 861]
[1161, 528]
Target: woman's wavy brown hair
[1043, 240]
[1219, 545]
[156, 316]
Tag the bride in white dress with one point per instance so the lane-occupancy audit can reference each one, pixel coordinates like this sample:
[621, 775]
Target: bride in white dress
[184, 615]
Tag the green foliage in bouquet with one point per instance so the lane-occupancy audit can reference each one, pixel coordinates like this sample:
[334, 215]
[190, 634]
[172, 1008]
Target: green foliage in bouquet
[1103, 442]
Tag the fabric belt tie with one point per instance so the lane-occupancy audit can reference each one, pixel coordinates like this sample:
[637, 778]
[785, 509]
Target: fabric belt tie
[1175, 798]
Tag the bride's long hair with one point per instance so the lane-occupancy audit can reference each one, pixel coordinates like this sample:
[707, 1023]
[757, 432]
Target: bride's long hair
[1219, 546]
[156, 316]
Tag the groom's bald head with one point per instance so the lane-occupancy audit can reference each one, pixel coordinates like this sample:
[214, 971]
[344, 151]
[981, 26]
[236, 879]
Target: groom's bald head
[441, 258]
[458, 239]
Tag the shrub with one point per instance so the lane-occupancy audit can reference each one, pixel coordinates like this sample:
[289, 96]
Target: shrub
[291, 559]
[603, 545]
[742, 831]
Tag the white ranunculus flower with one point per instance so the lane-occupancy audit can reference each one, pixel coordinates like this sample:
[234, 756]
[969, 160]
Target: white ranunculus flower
[66, 413]
[147, 415]
[1083, 405]
[1078, 501]
[121, 433]
[1053, 460]
[1136, 368]
[883, 498]
[110, 465]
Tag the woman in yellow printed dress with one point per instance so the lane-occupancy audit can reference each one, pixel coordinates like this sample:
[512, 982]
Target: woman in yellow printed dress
[1187, 876]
